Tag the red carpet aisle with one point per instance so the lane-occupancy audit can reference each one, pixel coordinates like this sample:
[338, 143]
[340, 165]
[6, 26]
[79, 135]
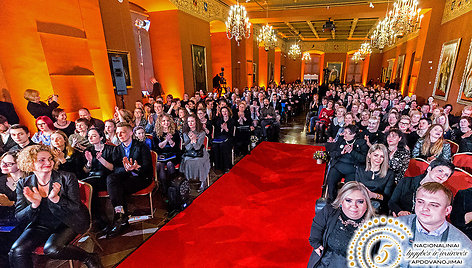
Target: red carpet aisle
[258, 215]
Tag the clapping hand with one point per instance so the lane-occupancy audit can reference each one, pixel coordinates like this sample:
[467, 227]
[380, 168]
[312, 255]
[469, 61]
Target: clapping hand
[4, 201]
[130, 164]
[168, 137]
[32, 196]
[54, 193]
[224, 126]
[347, 149]
[60, 155]
[88, 156]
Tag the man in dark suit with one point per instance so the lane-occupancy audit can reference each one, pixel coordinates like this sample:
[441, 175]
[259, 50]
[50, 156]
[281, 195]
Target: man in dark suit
[8, 110]
[6, 142]
[133, 174]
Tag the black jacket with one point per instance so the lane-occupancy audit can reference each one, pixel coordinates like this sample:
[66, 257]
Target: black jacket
[41, 108]
[404, 193]
[139, 152]
[461, 206]
[323, 224]
[356, 157]
[8, 110]
[70, 210]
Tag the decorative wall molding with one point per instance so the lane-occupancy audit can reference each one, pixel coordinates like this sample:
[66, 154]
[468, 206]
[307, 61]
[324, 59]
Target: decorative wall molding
[455, 8]
[332, 46]
[207, 10]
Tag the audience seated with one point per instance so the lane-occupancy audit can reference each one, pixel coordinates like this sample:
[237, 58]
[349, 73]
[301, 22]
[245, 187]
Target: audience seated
[195, 159]
[346, 153]
[373, 134]
[110, 132]
[223, 140]
[323, 122]
[139, 119]
[131, 175]
[399, 155]
[414, 136]
[244, 128]
[8, 182]
[68, 158]
[45, 129]
[78, 140]
[377, 177]
[268, 118]
[62, 123]
[49, 201]
[339, 222]
[140, 134]
[100, 162]
[21, 136]
[93, 122]
[401, 202]
[38, 108]
[432, 145]
[428, 224]
[6, 141]
[167, 146]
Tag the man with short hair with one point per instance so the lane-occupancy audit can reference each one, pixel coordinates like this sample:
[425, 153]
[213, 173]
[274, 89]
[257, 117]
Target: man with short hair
[94, 122]
[401, 202]
[6, 142]
[429, 225]
[133, 174]
[21, 136]
[268, 117]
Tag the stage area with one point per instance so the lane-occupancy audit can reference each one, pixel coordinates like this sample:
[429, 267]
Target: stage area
[257, 215]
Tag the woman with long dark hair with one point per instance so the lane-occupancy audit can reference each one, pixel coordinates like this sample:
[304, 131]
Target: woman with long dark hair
[433, 145]
[195, 160]
[399, 155]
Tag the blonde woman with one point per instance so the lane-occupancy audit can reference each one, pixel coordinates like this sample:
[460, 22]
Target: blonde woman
[38, 108]
[443, 120]
[433, 145]
[166, 142]
[339, 222]
[49, 202]
[69, 159]
[377, 177]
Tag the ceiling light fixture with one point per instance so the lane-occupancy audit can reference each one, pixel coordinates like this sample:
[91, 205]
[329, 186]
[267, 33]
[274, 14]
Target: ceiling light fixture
[295, 51]
[237, 23]
[267, 37]
[306, 57]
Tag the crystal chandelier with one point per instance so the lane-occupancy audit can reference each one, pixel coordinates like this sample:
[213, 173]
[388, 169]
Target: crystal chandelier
[383, 35]
[267, 37]
[365, 49]
[357, 57]
[294, 52]
[237, 23]
[306, 57]
[406, 17]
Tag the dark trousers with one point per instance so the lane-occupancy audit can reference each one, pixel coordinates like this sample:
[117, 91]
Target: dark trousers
[164, 170]
[336, 173]
[7, 239]
[222, 152]
[267, 122]
[99, 183]
[121, 184]
[56, 245]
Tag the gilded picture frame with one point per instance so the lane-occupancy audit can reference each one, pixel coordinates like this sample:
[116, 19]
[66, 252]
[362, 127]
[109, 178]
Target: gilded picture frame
[445, 71]
[465, 91]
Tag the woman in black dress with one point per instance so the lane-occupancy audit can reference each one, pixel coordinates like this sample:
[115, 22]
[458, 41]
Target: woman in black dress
[62, 123]
[49, 201]
[223, 140]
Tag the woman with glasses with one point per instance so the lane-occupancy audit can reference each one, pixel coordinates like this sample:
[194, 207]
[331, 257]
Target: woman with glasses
[49, 202]
[45, 129]
[8, 182]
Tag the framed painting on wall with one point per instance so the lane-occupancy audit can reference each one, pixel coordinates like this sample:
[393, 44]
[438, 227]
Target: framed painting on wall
[335, 70]
[199, 68]
[400, 65]
[388, 77]
[465, 91]
[447, 62]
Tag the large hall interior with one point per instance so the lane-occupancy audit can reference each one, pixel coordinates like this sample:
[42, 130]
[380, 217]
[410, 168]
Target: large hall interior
[218, 133]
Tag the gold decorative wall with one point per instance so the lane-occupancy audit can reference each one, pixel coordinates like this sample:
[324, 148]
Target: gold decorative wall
[455, 8]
